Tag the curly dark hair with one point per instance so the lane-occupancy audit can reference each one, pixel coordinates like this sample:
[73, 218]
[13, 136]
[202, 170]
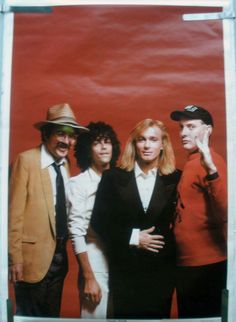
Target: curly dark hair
[98, 130]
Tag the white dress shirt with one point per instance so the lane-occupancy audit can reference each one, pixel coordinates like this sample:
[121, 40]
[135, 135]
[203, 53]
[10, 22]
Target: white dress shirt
[81, 195]
[46, 162]
[145, 183]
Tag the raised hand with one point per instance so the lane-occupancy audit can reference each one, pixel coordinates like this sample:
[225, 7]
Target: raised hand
[204, 149]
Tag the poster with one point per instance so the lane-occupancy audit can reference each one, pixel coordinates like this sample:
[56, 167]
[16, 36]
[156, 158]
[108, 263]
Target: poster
[119, 65]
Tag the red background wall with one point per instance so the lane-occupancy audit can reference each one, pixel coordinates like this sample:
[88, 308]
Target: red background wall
[119, 64]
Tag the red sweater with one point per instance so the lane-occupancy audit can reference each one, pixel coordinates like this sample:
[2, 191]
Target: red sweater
[200, 228]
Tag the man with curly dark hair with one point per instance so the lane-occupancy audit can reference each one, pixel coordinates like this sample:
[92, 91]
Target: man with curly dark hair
[95, 152]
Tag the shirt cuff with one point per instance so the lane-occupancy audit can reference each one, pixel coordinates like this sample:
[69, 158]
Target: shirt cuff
[212, 176]
[134, 239]
[79, 245]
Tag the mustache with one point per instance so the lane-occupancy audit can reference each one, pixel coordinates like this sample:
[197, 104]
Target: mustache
[63, 145]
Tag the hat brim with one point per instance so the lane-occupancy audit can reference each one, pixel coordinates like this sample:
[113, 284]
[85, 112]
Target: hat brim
[39, 125]
[178, 115]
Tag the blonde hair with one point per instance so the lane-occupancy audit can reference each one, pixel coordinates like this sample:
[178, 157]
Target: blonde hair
[166, 159]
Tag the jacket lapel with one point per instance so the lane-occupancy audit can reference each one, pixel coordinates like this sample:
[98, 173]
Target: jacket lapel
[160, 196]
[162, 191]
[131, 191]
[48, 193]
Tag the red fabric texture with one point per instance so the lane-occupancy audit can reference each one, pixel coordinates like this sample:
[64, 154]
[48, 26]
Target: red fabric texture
[200, 228]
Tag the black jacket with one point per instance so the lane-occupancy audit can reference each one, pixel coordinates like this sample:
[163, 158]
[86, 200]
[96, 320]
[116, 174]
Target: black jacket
[118, 209]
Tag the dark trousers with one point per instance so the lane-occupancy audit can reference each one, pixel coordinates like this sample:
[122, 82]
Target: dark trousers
[143, 295]
[199, 290]
[44, 298]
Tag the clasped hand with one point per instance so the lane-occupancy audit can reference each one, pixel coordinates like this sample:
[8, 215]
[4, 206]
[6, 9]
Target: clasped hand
[150, 242]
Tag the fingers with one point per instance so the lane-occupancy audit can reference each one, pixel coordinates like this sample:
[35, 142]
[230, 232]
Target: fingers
[157, 243]
[94, 298]
[16, 273]
[19, 276]
[151, 249]
[202, 141]
[156, 238]
[12, 277]
[97, 298]
[149, 230]
[149, 242]
[154, 246]
[93, 293]
[206, 136]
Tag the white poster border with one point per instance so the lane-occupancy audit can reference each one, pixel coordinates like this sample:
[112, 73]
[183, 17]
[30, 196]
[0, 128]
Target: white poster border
[6, 43]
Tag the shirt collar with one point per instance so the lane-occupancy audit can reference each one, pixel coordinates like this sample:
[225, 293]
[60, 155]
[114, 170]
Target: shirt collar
[93, 175]
[47, 159]
[138, 171]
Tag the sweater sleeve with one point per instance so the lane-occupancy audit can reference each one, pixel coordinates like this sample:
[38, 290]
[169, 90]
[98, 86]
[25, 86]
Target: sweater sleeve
[217, 191]
[109, 219]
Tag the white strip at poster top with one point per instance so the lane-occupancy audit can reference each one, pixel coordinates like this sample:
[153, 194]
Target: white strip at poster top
[197, 3]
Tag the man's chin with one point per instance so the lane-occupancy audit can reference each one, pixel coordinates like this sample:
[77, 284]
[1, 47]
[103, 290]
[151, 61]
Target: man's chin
[62, 153]
[189, 148]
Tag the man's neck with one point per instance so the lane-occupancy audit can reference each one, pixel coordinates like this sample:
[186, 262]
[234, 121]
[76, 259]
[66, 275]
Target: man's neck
[145, 167]
[100, 168]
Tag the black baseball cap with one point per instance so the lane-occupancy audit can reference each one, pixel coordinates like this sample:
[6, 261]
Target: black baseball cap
[193, 112]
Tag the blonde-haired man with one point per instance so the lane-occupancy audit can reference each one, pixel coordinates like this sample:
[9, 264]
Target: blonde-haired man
[133, 213]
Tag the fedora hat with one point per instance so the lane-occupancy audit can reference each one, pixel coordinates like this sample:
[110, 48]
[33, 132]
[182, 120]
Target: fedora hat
[60, 114]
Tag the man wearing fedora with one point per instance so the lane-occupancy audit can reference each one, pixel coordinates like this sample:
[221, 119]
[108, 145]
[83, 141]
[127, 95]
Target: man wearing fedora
[38, 219]
[201, 222]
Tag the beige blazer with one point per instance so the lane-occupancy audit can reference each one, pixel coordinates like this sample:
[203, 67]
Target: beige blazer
[32, 230]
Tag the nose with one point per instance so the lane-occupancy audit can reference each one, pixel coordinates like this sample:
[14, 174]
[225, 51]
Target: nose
[104, 145]
[147, 144]
[183, 132]
[66, 139]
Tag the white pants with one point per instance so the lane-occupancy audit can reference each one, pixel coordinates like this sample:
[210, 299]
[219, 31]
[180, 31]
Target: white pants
[88, 310]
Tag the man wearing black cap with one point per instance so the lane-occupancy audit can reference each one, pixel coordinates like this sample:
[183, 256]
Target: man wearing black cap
[37, 216]
[200, 227]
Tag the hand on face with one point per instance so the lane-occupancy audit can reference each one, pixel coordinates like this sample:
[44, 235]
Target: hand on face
[204, 149]
[195, 135]
[192, 133]
[202, 140]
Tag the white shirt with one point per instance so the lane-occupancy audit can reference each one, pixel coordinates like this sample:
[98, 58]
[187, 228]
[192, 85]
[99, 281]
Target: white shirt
[145, 183]
[81, 195]
[46, 162]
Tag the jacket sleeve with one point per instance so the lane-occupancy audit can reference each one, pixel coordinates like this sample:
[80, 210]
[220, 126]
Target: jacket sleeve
[109, 219]
[18, 197]
[102, 207]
